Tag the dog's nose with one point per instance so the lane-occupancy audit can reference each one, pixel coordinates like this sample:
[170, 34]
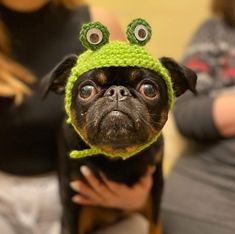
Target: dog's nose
[117, 92]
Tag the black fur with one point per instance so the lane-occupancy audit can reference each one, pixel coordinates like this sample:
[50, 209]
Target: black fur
[133, 117]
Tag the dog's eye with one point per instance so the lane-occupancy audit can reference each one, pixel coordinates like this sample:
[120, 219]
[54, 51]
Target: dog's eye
[87, 91]
[149, 90]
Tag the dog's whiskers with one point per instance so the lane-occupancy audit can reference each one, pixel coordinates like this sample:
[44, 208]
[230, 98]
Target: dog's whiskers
[88, 124]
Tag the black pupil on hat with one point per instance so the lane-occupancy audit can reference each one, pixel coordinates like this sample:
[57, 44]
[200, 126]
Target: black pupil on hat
[142, 33]
[94, 38]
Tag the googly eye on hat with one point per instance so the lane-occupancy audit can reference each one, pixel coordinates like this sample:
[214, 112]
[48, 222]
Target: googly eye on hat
[93, 35]
[139, 32]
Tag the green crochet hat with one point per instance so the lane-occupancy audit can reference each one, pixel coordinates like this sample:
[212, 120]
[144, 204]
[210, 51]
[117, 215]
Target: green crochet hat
[102, 53]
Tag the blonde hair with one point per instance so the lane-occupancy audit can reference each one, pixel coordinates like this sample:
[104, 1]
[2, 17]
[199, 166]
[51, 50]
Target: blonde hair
[15, 78]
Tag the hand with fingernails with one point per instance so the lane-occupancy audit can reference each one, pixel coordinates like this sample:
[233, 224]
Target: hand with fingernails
[111, 194]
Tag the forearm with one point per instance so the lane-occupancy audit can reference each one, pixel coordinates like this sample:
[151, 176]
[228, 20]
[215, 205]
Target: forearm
[224, 114]
[194, 117]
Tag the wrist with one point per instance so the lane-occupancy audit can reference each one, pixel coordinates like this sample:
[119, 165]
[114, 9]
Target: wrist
[224, 115]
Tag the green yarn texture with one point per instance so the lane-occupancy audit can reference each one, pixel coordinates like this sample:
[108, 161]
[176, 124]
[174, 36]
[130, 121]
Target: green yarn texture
[75, 154]
[130, 32]
[114, 54]
[90, 26]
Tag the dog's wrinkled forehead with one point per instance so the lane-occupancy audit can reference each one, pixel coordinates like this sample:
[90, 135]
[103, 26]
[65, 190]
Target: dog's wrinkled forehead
[119, 75]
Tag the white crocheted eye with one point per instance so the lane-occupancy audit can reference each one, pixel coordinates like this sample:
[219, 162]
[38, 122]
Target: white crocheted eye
[138, 32]
[141, 32]
[94, 36]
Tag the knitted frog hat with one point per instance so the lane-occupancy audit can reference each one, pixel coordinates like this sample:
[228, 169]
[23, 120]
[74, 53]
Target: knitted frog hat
[102, 53]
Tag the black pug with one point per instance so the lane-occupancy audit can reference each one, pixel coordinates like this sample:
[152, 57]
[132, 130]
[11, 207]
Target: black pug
[115, 108]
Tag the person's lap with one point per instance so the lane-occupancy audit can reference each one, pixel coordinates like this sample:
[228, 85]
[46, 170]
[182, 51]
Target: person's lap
[6, 226]
[176, 223]
[31, 205]
[195, 201]
[135, 224]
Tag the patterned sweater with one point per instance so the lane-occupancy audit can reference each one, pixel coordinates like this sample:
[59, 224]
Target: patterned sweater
[206, 175]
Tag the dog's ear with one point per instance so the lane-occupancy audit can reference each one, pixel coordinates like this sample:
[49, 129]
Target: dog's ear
[56, 80]
[182, 77]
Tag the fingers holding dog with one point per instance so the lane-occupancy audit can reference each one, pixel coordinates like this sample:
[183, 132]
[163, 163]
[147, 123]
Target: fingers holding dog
[99, 187]
[112, 194]
[93, 193]
[86, 195]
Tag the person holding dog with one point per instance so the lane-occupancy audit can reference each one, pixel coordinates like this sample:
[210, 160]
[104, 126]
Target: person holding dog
[34, 36]
[200, 191]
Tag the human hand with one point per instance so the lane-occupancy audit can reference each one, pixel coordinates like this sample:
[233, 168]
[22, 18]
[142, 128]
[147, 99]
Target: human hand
[112, 194]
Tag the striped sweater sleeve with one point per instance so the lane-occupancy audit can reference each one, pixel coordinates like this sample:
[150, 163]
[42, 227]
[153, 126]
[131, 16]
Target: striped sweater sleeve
[194, 114]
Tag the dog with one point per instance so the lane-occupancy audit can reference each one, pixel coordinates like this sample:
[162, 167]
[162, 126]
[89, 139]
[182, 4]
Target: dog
[115, 109]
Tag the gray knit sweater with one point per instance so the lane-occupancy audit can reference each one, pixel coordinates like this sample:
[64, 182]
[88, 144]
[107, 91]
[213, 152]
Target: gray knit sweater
[202, 183]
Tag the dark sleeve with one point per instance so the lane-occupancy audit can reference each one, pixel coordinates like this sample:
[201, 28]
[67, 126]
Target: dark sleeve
[5, 104]
[193, 114]
[194, 119]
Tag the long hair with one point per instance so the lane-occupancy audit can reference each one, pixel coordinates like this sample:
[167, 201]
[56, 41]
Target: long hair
[15, 78]
[216, 7]
[224, 9]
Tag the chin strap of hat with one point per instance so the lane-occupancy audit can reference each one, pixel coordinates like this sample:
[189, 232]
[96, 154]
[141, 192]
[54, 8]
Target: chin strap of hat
[75, 154]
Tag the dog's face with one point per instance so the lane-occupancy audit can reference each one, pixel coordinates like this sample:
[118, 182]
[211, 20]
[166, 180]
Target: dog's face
[120, 108]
